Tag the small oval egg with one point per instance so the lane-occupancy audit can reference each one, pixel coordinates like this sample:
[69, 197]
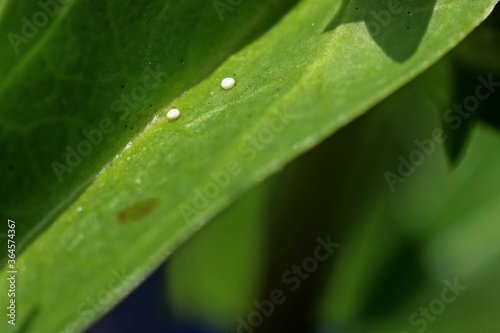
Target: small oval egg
[228, 83]
[173, 114]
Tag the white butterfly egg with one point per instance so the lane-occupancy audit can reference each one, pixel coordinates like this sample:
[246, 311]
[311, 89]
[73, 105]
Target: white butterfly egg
[173, 114]
[228, 83]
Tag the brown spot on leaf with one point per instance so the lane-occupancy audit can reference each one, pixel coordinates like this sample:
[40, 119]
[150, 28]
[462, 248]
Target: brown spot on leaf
[137, 211]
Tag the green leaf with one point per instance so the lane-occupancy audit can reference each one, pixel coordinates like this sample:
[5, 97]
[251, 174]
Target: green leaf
[73, 97]
[474, 307]
[377, 245]
[467, 249]
[484, 41]
[218, 272]
[145, 188]
[437, 225]
[470, 247]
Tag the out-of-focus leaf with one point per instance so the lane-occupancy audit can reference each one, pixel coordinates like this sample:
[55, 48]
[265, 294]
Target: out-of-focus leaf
[471, 245]
[379, 243]
[217, 274]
